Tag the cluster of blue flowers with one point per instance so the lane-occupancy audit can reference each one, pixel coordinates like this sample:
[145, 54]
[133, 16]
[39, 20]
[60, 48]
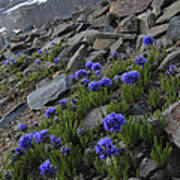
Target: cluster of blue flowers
[95, 85]
[148, 40]
[47, 168]
[41, 136]
[25, 142]
[130, 77]
[140, 61]
[9, 60]
[105, 148]
[22, 127]
[171, 70]
[50, 111]
[113, 122]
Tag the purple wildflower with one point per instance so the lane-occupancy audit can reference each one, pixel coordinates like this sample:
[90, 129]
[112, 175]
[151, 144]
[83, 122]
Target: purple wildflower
[105, 148]
[41, 136]
[140, 61]
[94, 86]
[115, 54]
[6, 63]
[85, 82]
[65, 151]
[105, 82]
[96, 66]
[47, 168]
[56, 60]
[89, 65]
[22, 127]
[148, 40]
[130, 77]
[37, 61]
[55, 142]
[81, 73]
[113, 122]
[25, 142]
[63, 102]
[40, 51]
[50, 111]
[97, 72]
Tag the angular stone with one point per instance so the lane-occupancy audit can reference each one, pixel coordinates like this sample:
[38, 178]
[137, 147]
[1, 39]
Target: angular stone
[18, 46]
[146, 167]
[172, 122]
[158, 5]
[117, 45]
[146, 21]
[129, 25]
[123, 8]
[13, 114]
[172, 58]
[88, 34]
[174, 28]
[159, 175]
[97, 56]
[169, 12]
[100, 12]
[77, 61]
[93, 117]
[109, 35]
[3, 101]
[157, 31]
[133, 178]
[40, 97]
[101, 44]
[64, 29]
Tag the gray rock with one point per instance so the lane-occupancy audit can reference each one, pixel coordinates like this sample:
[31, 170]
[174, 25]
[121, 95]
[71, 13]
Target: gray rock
[133, 178]
[146, 21]
[173, 168]
[40, 97]
[157, 31]
[77, 61]
[159, 175]
[3, 101]
[117, 45]
[93, 117]
[88, 34]
[17, 46]
[108, 35]
[146, 167]
[97, 56]
[13, 114]
[43, 82]
[64, 29]
[169, 12]
[158, 5]
[103, 43]
[129, 25]
[172, 118]
[174, 28]
[172, 58]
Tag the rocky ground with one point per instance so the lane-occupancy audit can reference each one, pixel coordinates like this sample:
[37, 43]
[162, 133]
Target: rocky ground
[36, 64]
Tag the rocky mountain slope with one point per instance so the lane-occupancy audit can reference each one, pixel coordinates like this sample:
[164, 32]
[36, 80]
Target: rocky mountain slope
[93, 95]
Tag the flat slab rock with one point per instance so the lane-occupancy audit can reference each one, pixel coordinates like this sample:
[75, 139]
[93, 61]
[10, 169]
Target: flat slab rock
[40, 97]
[93, 117]
[172, 127]
[123, 8]
[13, 114]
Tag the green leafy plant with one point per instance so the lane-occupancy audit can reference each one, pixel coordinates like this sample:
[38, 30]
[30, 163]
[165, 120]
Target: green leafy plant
[159, 154]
